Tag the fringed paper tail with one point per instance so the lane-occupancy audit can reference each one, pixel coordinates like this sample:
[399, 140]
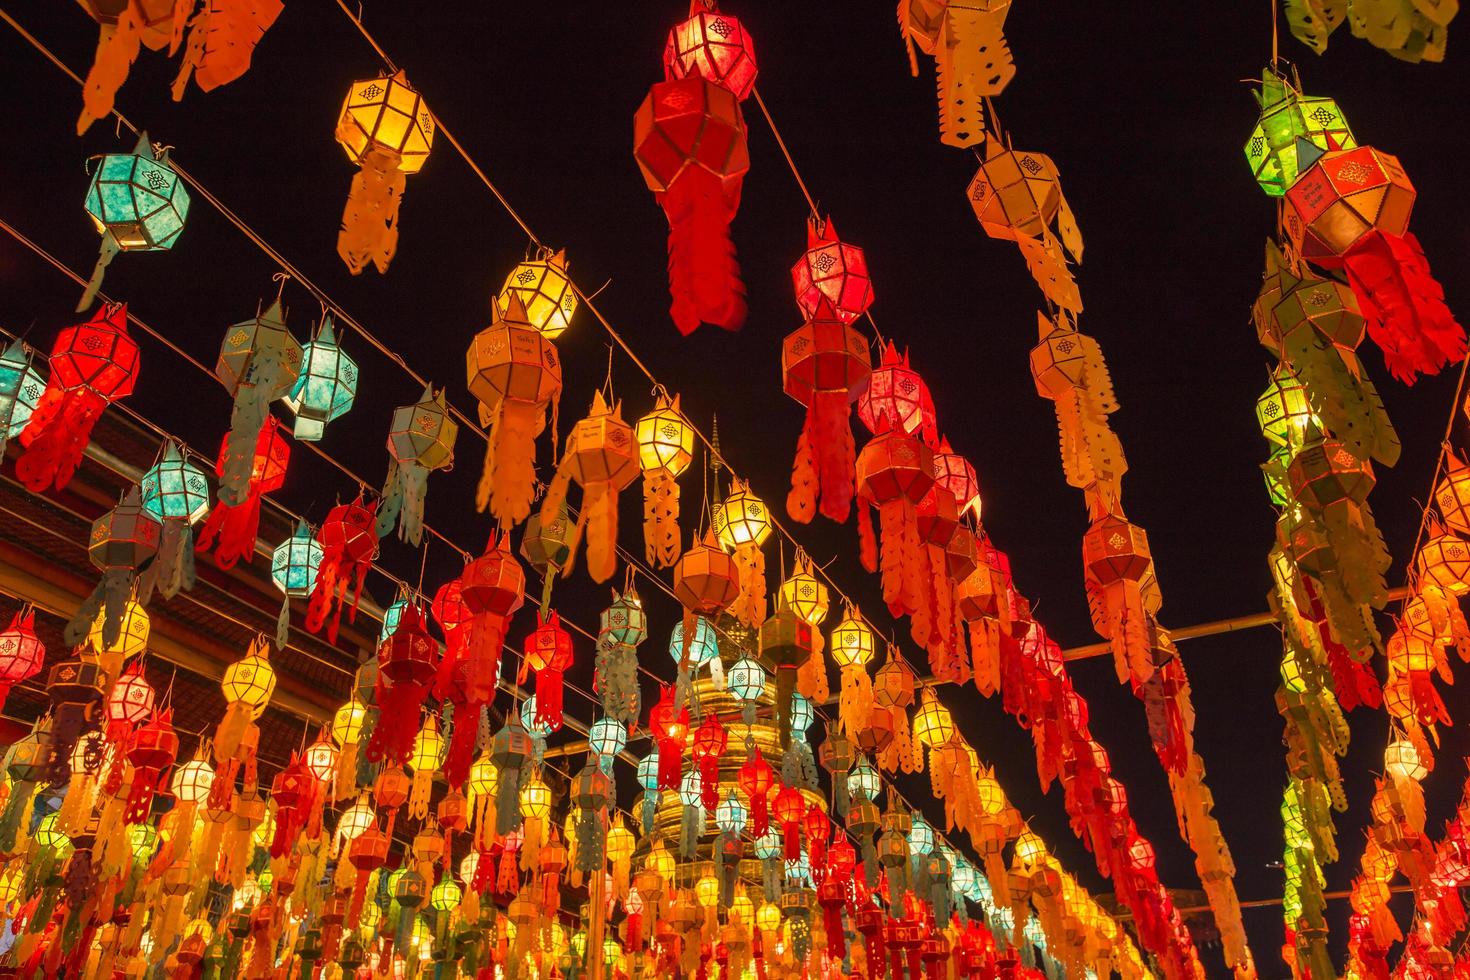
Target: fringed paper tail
[234, 528]
[600, 503]
[1404, 305]
[704, 279]
[370, 219]
[56, 437]
[660, 518]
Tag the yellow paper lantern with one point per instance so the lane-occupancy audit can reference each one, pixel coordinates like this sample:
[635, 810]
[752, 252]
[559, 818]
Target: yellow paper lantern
[132, 639]
[535, 799]
[1029, 848]
[355, 820]
[483, 778]
[804, 593]
[742, 518]
[742, 910]
[661, 862]
[1401, 760]
[428, 747]
[348, 721]
[768, 917]
[992, 798]
[250, 680]
[665, 438]
[707, 890]
[933, 725]
[544, 290]
[853, 643]
[385, 112]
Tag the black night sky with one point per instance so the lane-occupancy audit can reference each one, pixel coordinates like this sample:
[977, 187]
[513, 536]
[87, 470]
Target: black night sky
[1142, 106]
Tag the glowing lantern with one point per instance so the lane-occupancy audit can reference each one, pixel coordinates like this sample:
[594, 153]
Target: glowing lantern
[1283, 411]
[1452, 495]
[804, 594]
[151, 750]
[756, 779]
[122, 541]
[420, 440]
[690, 144]
[768, 918]
[1030, 849]
[387, 132]
[92, 364]
[746, 682]
[294, 566]
[700, 645]
[130, 700]
[349, 546]
[445, 896]
[250, 681]
[606, 738]
[1116, 558]
[326, 386]
[138, 204]
[865, 781]
[832, 269]
[803, 713]
[132, 633]
[235, 519]
[173, 489]
[468, 866]
[741, 519]
[535, 806]
[1444, 560]
[407, 663]
[1288, 120]
[601, 456]
[670, 727]
[192, 781]
[933, 725]
[1350, 209]
[1401, 761]
[549, 652]
[954, 473]
[824, 366]
[665, 449]
[788, 808]
[515, 374]
[730, 814]
[852, 647]
[706, 577]
[897, 391]
[21, 651]
[20, 389]
[545, 292]
[709, 743]
[321, 758]
[621, 627]
[894, 472]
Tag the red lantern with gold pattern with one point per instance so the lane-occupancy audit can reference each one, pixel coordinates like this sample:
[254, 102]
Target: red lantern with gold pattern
[833, 270]
[549, 653]
[152, 750]
[407, 662]
[349, 544]
[669, 724]
[709, 744]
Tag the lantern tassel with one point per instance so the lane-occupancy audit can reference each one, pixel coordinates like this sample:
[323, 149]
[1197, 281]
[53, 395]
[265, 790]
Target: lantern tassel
[117, 49]
[109, 597]
[867, 541]
[660, 518]
[56, 436]
[508, 483]
[548, 698]
[370, 219]
[234, 527]
[105, 256]
[600, 504]
[461, 753]
[985, 654]
[404, 494]
[704, 278]
[1404, 305]
[855, 707]
[172, 569]
[801, 500]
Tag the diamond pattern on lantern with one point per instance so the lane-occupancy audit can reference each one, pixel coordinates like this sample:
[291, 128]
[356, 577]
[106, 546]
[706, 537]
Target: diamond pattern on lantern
[1116, 540]
[1031, 166]
[979, 191]
[92, 342]
[669, 431]
[1271, 410]
[1066, 346]
[525, 276]
[1319, 297]
[677, 99]
[908, 386]
[372, 91]
[155, 179]
[1323, 115]
[722, 27]
[825, 262]
[426, 423]
[1344, 458]
[1258, 145]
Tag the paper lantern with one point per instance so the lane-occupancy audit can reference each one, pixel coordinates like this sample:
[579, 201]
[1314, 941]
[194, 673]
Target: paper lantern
[349, 545]
[665, 449]
[1452, 495]
[852, 645]
[321, 758]
[236, 524]
[865, 781]
[138, 204]
[173, 489]
[387, 132]
[20, 390]
[768, 917]
[420, 440]
[151, 750]
[326, 386]
[542, 286]
[897, 391]
[445, 896]
[954, 473]
[669, 725]
[689, 141]
[730, 814]
[833, 270]
[21, 651]
[742, 523]
[92, 364]
[515, 374]
[407, 664]
[933, 726]
[295, 562]
[746, 681]
[713, 46]
[122, 542]
[894, 472]
[601, 456]
[706, 578]
[788, 808]
[1116, 558]
[250, 681]
[131, 699]
[548, 652]
[192, 781]
[703, 646]
[1283, 410]
[132, 634]
[1288, 120]
[1444, 560]
[1350, 210]
[706, 747]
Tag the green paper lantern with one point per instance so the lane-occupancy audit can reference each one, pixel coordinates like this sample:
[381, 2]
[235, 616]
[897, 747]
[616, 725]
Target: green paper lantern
[174, 489]
[138, 204]
[295, 561]
[1291, 132]
[20, 389]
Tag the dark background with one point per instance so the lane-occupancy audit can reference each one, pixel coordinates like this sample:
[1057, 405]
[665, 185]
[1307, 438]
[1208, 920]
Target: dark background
[1144, 114]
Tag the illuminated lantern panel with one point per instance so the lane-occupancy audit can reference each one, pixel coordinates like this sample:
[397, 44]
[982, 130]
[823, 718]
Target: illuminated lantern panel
[715, 47]
[544, 291]
[386, 112]
[137, 199]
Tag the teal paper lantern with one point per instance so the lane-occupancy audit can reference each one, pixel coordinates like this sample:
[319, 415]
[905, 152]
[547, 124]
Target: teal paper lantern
[624, 621]
[962, 878]
[607, 738]
[746, 680]
[528, 720]
[768, 845]
[391, 616]
[326, 387]
[648, 771]
[174, 489]
[704, 646]
[691, 788]
[730, 815]
[138, 204]
[802, 713]
[921, 837]
[295, 561]
[864, 780]
[799, 870]
[20, 389]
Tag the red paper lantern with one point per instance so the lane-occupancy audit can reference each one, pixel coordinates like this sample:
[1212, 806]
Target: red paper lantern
[670, 726]
[894, 472]
[549, 653]
[897, 391]
[954, 473]
[689, 141]
[832, 269]
[349, 544]
[712, 46]
[154, 748]
[294, 791]
[1350, 210]
[710, 739]
[491, 589]
[407, 662]
[755, 780]
[236, 526]
[824, 365]
[92, 364]
[788, 808]
[818, 829]
[21, 652]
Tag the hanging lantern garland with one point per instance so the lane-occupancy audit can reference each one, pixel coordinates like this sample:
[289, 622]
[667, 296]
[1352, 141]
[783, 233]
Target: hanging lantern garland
[689, 140]
[387, 132]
